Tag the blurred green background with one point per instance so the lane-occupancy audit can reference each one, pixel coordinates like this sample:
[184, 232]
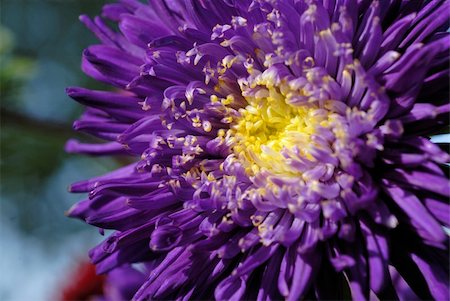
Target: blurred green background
[40, 51]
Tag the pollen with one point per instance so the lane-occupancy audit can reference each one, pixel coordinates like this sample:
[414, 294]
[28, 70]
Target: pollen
[270, 127]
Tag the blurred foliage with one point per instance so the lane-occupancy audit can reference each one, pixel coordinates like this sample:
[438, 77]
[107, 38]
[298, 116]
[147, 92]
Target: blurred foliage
[14, 69]
[40, 52]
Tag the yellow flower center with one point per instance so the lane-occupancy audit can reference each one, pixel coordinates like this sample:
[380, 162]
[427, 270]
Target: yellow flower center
[271, 129]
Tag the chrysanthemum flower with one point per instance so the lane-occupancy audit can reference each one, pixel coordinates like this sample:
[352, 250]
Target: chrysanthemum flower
[282, 147]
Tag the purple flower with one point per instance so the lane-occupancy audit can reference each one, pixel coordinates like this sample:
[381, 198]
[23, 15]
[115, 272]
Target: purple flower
[122, 283]
[281, 147]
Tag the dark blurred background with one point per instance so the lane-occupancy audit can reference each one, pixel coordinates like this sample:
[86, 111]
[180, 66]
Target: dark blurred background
[40, 49]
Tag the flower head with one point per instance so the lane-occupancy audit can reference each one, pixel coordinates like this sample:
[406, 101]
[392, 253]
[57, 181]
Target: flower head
[281, 147]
